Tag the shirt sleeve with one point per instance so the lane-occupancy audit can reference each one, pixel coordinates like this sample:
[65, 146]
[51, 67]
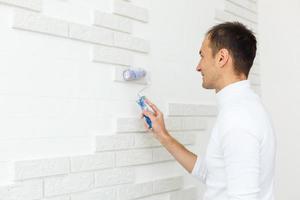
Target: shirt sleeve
[200, 171]
[241, 156]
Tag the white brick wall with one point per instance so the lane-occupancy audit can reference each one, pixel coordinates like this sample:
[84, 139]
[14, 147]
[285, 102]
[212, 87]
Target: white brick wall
[186, 138]
[59, 198]
[114, 177]
[91, 34]
[167, 185]
[145, 140]
[107, 194]
[31, 21]
[39, 168]
[133, 43]
[112, 55]
[35, 5]
[25, 190]
[175, 109]
[161, 154]
[248, 4]
[137, 140]
[114, 142]
[195, 123]
[255, 69]
[68, 183]
[172, 123]
[133, 157]
[241, 12]
[35, 22]
[129, 125]
[254, 79]
[110, 173]
[128, 10]
[124, 141]
[135, 191]
[92, 162]
[186, 193]
[112, 21]
[226, 16]
[150, 188]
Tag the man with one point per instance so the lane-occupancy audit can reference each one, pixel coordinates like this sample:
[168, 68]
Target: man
[239, 161]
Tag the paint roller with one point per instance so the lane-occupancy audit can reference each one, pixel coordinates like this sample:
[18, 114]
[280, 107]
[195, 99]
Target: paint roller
[136, 74]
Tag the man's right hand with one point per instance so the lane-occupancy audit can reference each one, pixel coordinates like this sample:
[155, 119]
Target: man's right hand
[158, 124]
[186, 158]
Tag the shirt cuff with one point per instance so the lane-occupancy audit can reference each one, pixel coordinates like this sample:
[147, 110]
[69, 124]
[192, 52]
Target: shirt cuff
[199, 171]
[196, 168]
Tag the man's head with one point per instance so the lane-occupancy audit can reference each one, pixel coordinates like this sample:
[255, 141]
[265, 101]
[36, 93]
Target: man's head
[227, 54]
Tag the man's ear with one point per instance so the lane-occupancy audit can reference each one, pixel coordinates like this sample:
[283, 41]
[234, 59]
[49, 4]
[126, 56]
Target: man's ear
[223, 57]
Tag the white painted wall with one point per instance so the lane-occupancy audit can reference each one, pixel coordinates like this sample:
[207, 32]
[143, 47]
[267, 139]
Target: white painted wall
[279, 28]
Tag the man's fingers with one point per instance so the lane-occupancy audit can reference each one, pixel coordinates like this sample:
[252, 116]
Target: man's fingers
[146, 125]
[153, 106]
[149, 114]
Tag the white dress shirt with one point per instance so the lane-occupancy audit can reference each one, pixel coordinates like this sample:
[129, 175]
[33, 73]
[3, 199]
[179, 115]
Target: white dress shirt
[240, 156]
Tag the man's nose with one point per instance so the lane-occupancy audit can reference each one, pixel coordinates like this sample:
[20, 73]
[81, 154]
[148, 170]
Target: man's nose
[198, 68]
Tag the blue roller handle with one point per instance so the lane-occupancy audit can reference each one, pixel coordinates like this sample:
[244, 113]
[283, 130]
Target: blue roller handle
[148, 121]
[141, 102]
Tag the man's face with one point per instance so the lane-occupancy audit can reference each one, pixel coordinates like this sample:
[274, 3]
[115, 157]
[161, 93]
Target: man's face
[208, 66]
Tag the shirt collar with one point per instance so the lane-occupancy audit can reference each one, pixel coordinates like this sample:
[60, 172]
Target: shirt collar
[231, 92]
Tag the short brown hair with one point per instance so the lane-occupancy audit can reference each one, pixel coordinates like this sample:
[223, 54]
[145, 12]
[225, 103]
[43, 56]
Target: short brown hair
[238, 40]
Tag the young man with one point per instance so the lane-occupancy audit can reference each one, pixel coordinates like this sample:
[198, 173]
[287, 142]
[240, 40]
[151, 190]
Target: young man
[239, 161]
